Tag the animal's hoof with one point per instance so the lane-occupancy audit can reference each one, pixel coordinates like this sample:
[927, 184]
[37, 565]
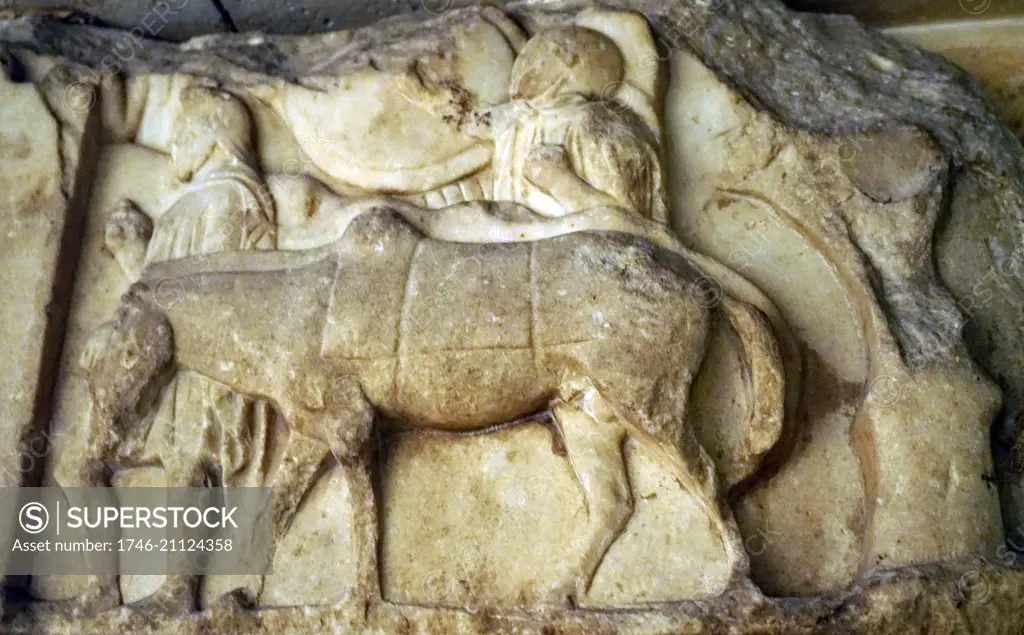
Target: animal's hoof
[170, 600]
[240, 598]
[101, 597]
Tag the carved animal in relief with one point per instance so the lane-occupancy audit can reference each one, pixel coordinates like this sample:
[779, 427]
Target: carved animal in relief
[598, 327]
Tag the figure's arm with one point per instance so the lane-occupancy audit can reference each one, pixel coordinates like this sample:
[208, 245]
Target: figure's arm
[122, 104]
[127, 235]
[309, 215]
[548, 168]
[451, 104]
[499, 222]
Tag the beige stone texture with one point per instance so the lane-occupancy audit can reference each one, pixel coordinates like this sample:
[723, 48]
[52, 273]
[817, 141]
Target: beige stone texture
[34, 213]
[529, 322]
[776, 207]
[534, 530]
[47, 144]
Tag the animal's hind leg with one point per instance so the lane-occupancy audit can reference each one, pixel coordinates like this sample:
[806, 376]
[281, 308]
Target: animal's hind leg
[594, 436]
[698, 475]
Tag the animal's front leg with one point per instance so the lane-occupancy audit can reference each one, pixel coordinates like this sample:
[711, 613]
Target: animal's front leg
[179, 593]
[335, 411]
[299, 469]
[594, 438]
[358, 475]
[124, 364]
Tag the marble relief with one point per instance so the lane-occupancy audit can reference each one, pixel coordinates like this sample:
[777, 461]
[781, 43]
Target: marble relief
[530, 311]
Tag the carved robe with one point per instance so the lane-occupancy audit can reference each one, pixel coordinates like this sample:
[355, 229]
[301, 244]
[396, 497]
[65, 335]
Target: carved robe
[607, 145]
[221, 210]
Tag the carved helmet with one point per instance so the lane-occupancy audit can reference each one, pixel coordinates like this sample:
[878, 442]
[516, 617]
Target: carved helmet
[570, 59]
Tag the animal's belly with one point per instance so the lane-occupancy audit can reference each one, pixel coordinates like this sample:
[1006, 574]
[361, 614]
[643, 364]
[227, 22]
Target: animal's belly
[454, 343]
[469, 389]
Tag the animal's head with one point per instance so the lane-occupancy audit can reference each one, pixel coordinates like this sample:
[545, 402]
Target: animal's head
[123, 363]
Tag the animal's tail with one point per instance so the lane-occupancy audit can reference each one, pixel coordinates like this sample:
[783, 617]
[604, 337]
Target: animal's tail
[765, 378]
[771, 356]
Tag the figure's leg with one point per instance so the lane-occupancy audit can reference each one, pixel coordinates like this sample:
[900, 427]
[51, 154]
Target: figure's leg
[125, 363]
[102, 589]
[593, 437]
[179, 593]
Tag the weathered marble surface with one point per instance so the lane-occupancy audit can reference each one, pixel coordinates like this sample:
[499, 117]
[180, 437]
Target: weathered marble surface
[836, 439]
[990, 49]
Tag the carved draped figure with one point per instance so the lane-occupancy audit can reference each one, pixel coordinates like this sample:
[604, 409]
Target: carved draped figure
[223, 209]
[607, 146]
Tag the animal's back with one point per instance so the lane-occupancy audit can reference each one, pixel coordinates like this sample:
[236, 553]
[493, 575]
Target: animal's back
[463, 335]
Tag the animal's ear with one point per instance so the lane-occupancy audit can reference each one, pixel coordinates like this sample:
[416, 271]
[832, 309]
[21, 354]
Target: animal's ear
[127, 354]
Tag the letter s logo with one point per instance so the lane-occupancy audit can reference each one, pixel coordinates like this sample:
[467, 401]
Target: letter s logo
[33, 517]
